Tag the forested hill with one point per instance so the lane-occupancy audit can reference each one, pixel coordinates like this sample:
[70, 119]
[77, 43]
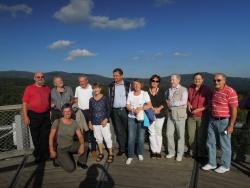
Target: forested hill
[12, 83]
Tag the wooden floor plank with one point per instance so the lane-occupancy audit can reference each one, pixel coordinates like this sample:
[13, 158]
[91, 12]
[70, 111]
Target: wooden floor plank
[148, 173]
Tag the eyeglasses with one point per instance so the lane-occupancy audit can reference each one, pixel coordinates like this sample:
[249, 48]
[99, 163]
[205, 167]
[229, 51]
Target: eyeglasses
[218, 80]
[40, 77]
[156, 81]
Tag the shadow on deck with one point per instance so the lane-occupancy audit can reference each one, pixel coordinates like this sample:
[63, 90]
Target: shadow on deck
[149, 173]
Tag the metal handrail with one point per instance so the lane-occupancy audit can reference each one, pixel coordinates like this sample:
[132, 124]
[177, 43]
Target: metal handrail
[11, 107]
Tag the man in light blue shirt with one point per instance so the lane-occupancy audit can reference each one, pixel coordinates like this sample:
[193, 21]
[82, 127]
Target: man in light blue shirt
[118, 92]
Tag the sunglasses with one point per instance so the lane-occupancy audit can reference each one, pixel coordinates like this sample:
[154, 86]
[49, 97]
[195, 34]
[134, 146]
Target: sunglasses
[218, 80]
[156, 81]
[39, 76]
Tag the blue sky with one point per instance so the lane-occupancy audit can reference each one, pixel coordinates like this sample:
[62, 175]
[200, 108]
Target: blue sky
[142, 37]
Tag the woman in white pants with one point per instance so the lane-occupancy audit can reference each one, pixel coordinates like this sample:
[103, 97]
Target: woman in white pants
[99, 116]
[155, 130]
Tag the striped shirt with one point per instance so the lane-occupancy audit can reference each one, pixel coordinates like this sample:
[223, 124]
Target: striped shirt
[223, 100]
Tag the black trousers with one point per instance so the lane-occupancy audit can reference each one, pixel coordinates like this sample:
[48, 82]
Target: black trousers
[90, 138]
[120, 121]
[40, 128]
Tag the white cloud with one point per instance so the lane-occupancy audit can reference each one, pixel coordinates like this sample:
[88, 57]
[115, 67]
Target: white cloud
[135, 58]
[159, 54]
[60, 44]
[16, 8]
[104, 22]
[79, 11]
[181, 54]
[79, 53]
[76, 11]
[160, 3]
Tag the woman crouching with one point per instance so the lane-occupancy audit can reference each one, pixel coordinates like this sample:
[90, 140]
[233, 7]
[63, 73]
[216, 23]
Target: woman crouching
[63, 130]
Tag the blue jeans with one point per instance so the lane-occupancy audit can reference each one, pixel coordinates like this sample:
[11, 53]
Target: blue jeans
[217, 136]
[136, 133]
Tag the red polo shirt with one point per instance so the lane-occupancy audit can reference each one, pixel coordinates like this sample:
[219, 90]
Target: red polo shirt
[199, 98]
[222, 101]
[37, 98]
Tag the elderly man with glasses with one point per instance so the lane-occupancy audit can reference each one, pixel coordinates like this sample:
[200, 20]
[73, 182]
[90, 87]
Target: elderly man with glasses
[224, 112]
[177, 97]
[36, 114]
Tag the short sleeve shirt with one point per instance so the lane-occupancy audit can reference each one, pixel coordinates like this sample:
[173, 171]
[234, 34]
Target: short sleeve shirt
[37, 98]
[137, 101]
[157, 101]
[223, 100]
[65, 133]
[83, 95]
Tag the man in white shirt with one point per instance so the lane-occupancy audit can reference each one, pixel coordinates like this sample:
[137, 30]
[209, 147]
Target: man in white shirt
[177, 97]
[82, 95]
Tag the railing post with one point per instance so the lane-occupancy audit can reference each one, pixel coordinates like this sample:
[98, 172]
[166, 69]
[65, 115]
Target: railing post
[19, 132]
[31, 141]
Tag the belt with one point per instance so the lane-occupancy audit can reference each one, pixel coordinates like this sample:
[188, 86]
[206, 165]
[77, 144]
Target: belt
[219, 118]
[121, 108]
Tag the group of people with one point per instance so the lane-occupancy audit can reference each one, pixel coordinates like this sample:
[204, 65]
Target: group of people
[207, 114]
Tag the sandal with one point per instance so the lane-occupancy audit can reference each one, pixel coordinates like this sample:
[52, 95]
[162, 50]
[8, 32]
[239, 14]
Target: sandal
[99, 157]
[110, 159]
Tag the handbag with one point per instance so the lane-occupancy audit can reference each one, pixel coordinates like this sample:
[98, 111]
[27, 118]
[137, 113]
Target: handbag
[140, 115]
[146, 122]
[150, 114]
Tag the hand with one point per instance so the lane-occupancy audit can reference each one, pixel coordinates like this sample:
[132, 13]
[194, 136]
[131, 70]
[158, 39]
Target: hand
[52, 105]
[169, 103]
[190, 107]
[145, 107]
[104, 122]
[90, 126]
[230, 129]
[81, 149]
[26, 121]
[195, 111]
[156, 110]
[52, 154]
[137, 110]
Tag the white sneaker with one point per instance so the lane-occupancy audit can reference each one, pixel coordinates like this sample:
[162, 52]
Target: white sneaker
[128, 161]
[140, 157]
[208, 167]
[222, 170]
[179, 158]
[169, 156]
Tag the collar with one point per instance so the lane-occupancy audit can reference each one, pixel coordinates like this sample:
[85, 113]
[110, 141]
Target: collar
[121, 83]
[193, 86]
[177, 87]
[85, 87]
[223, 89]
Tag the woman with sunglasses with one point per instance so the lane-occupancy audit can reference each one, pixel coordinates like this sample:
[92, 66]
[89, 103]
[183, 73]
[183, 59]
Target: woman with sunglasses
[155, 129]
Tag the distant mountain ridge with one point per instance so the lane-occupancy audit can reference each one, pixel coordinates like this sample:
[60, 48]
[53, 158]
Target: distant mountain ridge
[241, 84]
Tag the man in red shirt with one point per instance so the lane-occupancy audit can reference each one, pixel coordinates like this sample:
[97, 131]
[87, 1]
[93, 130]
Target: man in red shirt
[36, 115]
[223, 116]
[199, 96]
